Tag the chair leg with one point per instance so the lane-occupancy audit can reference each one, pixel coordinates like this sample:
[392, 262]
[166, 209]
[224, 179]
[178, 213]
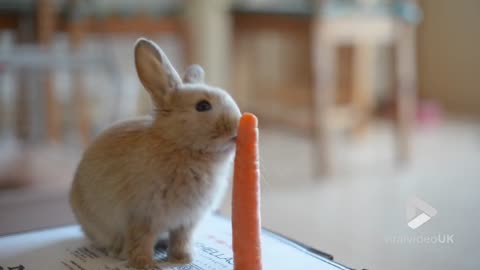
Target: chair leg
[406, 92]
[363, 85]
[324, 65]
[81, 116]
[45, 23]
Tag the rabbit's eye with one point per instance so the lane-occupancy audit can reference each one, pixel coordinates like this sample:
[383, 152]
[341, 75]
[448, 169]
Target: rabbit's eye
[203, 106]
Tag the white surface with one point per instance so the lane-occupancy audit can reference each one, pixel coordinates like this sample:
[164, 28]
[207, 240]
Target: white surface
[67, 248]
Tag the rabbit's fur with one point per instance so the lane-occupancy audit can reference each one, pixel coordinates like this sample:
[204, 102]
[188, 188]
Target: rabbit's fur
[157, 175]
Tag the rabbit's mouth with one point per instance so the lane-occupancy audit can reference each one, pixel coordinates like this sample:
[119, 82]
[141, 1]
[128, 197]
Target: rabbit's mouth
[224, 143]
[230, 143]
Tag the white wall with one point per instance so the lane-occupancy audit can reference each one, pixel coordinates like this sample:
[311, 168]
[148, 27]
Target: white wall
[449, 54]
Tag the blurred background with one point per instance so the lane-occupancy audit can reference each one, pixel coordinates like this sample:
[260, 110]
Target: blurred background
[363, 105]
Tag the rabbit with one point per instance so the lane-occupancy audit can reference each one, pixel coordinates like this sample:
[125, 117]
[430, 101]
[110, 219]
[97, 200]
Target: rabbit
[161, 174]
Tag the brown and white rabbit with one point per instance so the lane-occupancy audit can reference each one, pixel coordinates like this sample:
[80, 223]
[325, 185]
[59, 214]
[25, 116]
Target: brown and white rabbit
[157, 175]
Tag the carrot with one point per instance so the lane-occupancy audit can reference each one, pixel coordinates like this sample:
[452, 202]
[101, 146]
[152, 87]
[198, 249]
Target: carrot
[246, 197]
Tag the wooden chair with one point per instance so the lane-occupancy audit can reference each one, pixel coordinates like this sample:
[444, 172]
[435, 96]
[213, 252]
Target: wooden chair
[311, 95]
[363, 31]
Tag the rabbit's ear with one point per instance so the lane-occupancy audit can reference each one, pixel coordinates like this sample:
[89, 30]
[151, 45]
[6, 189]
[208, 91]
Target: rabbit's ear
[154, 70]
[194, 74]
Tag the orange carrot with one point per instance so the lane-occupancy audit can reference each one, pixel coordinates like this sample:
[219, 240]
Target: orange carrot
[246, 197]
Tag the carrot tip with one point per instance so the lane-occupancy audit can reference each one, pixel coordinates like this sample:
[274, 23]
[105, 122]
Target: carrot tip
[249, 120]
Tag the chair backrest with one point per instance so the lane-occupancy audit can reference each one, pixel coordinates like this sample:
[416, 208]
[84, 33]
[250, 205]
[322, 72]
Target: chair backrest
[44, 95]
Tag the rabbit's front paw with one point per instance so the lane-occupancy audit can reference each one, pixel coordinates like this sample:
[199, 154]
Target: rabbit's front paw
[180, 249]
[180, 257]
[141, 262]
